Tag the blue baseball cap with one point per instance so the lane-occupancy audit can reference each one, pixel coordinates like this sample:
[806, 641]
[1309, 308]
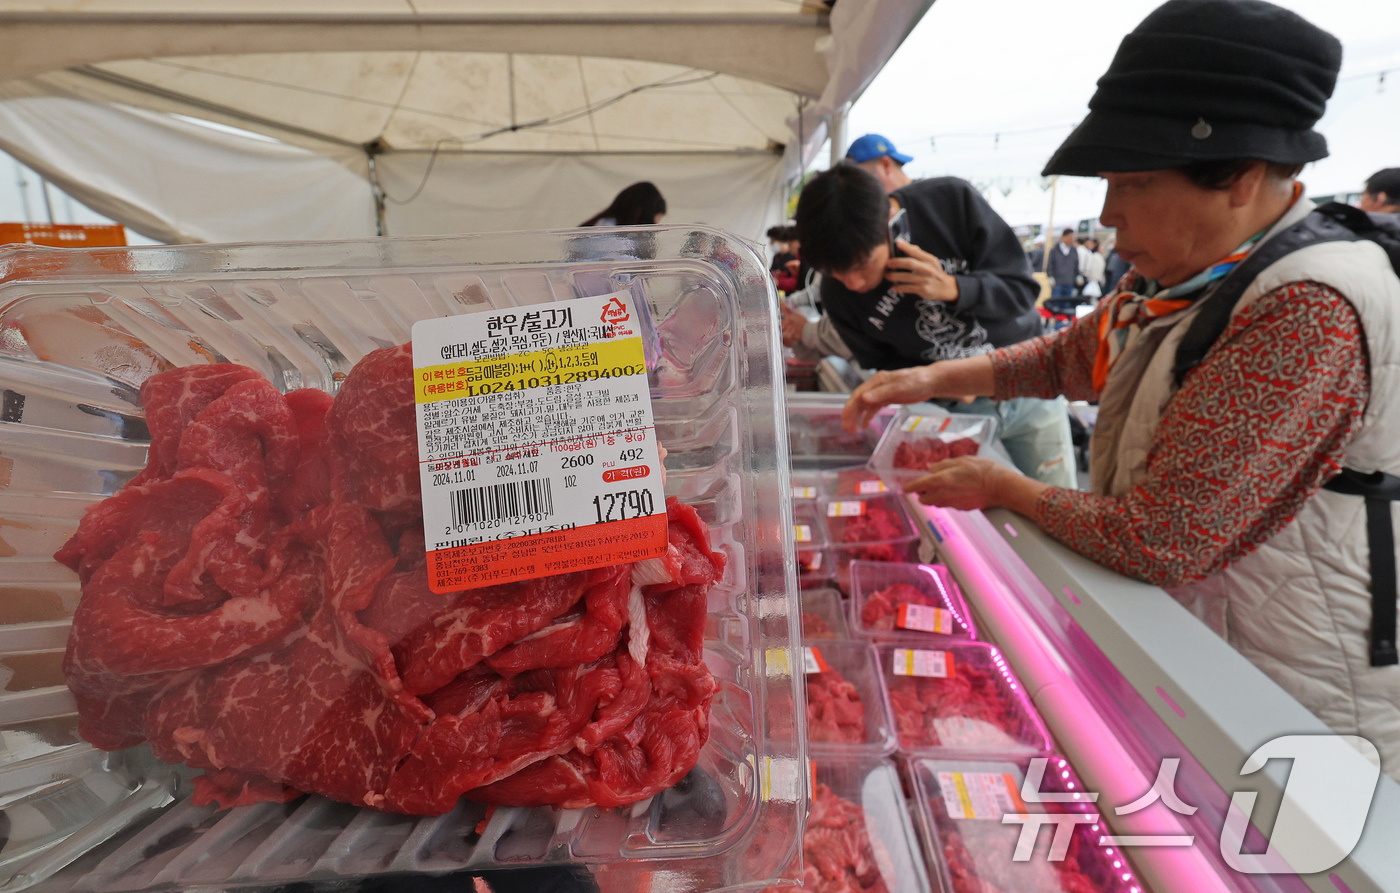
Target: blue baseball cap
[872, 145]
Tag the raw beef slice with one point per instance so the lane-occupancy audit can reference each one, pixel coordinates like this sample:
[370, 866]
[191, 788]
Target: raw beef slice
[835, 712]
[255, 604]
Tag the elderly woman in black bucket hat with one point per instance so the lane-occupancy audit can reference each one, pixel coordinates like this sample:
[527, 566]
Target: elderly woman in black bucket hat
[1247, 368]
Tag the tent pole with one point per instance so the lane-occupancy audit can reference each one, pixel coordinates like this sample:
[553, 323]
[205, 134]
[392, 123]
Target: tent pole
[23, 185]
[837, 134]
[379, 227]
[48, 203]
[1050, 231]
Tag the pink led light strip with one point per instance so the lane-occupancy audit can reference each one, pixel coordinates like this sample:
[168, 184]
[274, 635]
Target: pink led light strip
[1101, 761]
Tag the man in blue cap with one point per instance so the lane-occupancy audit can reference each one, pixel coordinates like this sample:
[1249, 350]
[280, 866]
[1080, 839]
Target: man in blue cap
[878, 155]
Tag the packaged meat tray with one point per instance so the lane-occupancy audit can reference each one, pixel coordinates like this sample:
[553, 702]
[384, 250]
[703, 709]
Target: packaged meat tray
[859, 835]
[229, 432]
[866, 521]
[823, 615]
[920, 435]
[839, 483]
[846, 705]
[907, 601]
[816, 438]
[960, 804]
[958, 696]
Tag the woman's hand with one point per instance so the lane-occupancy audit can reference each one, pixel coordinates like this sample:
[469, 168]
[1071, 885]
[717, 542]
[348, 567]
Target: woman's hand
[912, 385]
[973, 482]
[920, 273]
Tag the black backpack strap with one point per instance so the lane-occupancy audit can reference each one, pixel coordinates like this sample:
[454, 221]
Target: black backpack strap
[1323, 225]
[1379, 490]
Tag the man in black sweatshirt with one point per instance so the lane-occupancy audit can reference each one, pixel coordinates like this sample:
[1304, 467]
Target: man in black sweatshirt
[958, 287]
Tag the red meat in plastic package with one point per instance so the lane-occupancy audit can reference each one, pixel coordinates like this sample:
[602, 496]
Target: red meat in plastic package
[878, 523]
[966, 709]
[881, 607]
[919, 454]
[835, 712]
[255, 604]
[977, 853]
[837, 851]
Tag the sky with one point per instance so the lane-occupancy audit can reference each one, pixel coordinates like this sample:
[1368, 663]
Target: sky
[986, 89]
[1026, 68]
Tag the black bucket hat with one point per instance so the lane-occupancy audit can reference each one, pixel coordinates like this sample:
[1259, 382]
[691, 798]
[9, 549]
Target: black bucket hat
[1207, 80]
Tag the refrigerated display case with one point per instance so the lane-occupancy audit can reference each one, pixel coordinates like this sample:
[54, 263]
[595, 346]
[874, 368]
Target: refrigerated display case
[1125, 679]
[81, 331]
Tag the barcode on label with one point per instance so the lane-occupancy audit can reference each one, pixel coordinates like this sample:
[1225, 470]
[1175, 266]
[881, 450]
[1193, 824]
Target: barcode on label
[865, 488]
[812, 661]
[924, 618]
[915, 662]
[845, 509]
[501, 502]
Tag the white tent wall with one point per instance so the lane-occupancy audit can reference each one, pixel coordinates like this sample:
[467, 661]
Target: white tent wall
[177, 181]
[489, 192]
[538, 110]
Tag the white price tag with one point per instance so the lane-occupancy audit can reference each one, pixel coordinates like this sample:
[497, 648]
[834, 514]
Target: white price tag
[845, 509]
[924, 423]
[802, 533]
[812, 661]
[867, 488]
[536, 442]
[804, 492]
[980, 795]
[924, 618]
[916, 662]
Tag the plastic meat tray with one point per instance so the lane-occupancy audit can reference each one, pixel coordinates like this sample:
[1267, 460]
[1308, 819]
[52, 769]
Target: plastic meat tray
[823, 615]
[80, 331]
[932, 580]
[816, 437]
[915, 423]
[857, 663]
[957, 712]
[874, 785]
[842, 483]
[960, 804]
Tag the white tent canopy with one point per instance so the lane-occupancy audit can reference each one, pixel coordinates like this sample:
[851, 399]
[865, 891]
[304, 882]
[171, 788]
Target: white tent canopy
[471, 114]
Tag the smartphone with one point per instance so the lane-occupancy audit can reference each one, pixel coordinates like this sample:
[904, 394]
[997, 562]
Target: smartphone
[899, 229]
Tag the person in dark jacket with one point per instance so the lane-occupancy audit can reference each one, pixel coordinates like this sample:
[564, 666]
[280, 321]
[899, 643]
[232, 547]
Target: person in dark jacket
[1382, 193]
[1064, 266]
[959, 287]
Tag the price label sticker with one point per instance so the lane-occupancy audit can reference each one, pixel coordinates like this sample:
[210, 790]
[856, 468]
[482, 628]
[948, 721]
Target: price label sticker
[924, 618]
[804, 492]
[916, 662]
[869, 488]
[810, 561]
[536, 442]
[802, 532]
[980, 795]
[813, 662]
[845, 509]
[923, 424]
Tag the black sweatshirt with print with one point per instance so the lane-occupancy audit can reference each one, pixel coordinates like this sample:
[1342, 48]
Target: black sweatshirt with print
[996, 294]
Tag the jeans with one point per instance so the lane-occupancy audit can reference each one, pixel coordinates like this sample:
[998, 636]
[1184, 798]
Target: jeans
[1035, 433]
[1062, 291]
